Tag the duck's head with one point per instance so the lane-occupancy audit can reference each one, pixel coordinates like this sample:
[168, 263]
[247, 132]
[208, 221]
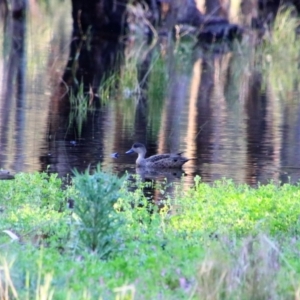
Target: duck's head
[137, 148]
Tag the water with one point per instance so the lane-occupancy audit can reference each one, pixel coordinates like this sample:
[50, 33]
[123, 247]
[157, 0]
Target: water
[221, 116]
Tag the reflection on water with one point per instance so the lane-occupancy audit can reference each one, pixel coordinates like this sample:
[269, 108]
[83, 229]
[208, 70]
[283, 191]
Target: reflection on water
[212, 107]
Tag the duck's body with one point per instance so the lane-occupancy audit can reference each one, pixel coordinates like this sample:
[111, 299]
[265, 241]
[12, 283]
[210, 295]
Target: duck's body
[170, 160]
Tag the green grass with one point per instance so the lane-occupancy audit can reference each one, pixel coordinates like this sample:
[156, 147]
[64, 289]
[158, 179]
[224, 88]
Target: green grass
[219, 241]
[81, 104]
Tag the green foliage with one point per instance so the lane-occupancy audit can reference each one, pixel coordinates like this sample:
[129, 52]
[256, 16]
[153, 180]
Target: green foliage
[33, 208]
[220, 241]
[225, 208]
[38, 189]
[98, 221]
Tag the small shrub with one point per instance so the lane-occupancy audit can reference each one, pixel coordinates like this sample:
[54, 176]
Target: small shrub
[94, 205]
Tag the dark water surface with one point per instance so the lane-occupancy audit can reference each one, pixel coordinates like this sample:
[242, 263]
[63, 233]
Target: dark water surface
[223, 119]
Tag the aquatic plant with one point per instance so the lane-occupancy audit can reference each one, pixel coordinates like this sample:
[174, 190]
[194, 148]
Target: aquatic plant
[108, 88]
[81, 104]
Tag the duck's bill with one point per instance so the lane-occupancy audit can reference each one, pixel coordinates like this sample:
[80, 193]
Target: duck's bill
[129, 151]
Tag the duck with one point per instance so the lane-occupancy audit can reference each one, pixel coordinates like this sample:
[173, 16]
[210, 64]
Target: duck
[165, 161]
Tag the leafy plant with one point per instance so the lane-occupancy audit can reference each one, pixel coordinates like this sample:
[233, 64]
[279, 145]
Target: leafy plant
[98, 222]
[33, 208]
[225, 208]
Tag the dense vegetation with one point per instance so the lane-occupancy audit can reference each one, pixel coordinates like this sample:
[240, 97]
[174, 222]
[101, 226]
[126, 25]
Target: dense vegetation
[209, 242]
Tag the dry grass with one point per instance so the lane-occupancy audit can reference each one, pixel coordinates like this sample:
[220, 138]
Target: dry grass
[251, 271]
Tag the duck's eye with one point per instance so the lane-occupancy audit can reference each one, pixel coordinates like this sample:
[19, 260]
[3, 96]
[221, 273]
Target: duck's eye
[135, 146]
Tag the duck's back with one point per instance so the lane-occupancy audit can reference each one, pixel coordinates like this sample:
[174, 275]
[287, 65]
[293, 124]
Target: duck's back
[166, 161]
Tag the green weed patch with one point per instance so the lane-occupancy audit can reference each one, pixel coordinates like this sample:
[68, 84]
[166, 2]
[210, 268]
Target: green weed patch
[220, 241]
[224, 208]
